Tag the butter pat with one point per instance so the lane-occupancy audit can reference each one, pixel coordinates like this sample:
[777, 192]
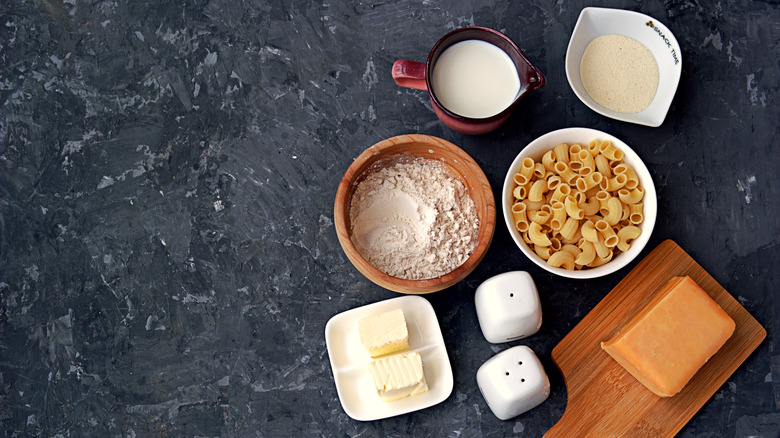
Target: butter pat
[672, 337]
[385, 333]
[398, 376]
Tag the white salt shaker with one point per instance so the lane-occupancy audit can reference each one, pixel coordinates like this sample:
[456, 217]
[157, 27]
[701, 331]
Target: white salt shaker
[513, 382]
[508, 307]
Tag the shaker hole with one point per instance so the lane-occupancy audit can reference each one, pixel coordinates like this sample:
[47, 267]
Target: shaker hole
[507, 373]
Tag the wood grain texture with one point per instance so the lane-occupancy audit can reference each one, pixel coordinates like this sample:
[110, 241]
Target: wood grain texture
[603, 398]
[404, 147]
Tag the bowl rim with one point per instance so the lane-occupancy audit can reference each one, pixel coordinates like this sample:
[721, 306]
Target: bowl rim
[655, 114]
[354, 174]
[575, 135]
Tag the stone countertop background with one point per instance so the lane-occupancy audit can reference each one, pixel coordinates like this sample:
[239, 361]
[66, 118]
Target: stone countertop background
[167, 177]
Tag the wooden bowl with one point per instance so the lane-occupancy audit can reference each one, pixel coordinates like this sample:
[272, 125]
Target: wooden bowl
[458, 163]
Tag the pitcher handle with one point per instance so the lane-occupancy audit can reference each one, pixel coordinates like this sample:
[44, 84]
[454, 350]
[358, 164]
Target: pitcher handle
[410, 74]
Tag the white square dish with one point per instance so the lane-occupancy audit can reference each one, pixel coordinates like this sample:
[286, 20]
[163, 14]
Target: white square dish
[349, 359]
[595, 22]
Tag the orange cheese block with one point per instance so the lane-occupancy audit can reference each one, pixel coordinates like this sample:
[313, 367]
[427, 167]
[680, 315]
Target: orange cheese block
[672, 337]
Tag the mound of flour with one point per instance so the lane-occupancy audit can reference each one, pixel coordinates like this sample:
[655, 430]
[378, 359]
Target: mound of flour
[413, 220]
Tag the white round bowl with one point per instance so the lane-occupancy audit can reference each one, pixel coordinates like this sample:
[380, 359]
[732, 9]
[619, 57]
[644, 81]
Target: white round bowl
[535, 150]
[595, 22]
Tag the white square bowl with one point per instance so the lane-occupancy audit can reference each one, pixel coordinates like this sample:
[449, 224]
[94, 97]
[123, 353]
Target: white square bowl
[349, 359]
[595, 22]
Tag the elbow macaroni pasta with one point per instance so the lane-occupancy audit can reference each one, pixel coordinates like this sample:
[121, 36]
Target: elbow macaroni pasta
[580, 206]
[561, 259]
[537, 236]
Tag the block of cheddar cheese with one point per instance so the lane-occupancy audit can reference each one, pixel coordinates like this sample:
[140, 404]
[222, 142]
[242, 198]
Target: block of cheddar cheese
[672, 337]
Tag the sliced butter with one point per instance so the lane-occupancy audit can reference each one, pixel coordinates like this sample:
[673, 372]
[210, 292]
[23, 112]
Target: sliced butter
[385, 333]
[672, 337]
[398, 376]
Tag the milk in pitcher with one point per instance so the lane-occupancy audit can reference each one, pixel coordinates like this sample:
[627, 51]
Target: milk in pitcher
[475, 79]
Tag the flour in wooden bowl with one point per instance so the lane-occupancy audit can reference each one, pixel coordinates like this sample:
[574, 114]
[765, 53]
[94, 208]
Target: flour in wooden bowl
[414, 221]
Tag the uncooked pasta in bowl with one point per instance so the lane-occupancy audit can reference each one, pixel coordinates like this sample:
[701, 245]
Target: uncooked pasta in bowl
[579, 203]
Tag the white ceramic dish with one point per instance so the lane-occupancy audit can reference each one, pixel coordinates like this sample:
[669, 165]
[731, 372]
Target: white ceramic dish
[535, 150]
[349, 360]
[594, 22]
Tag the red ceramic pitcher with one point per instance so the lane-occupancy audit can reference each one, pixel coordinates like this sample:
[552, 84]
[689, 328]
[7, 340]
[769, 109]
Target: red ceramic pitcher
[417, 75]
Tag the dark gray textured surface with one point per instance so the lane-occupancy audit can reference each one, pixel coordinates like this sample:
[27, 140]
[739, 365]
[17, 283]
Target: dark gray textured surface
[167, 175]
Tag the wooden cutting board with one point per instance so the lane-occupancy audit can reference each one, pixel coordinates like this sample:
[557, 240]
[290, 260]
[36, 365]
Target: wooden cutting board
[604, 400]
